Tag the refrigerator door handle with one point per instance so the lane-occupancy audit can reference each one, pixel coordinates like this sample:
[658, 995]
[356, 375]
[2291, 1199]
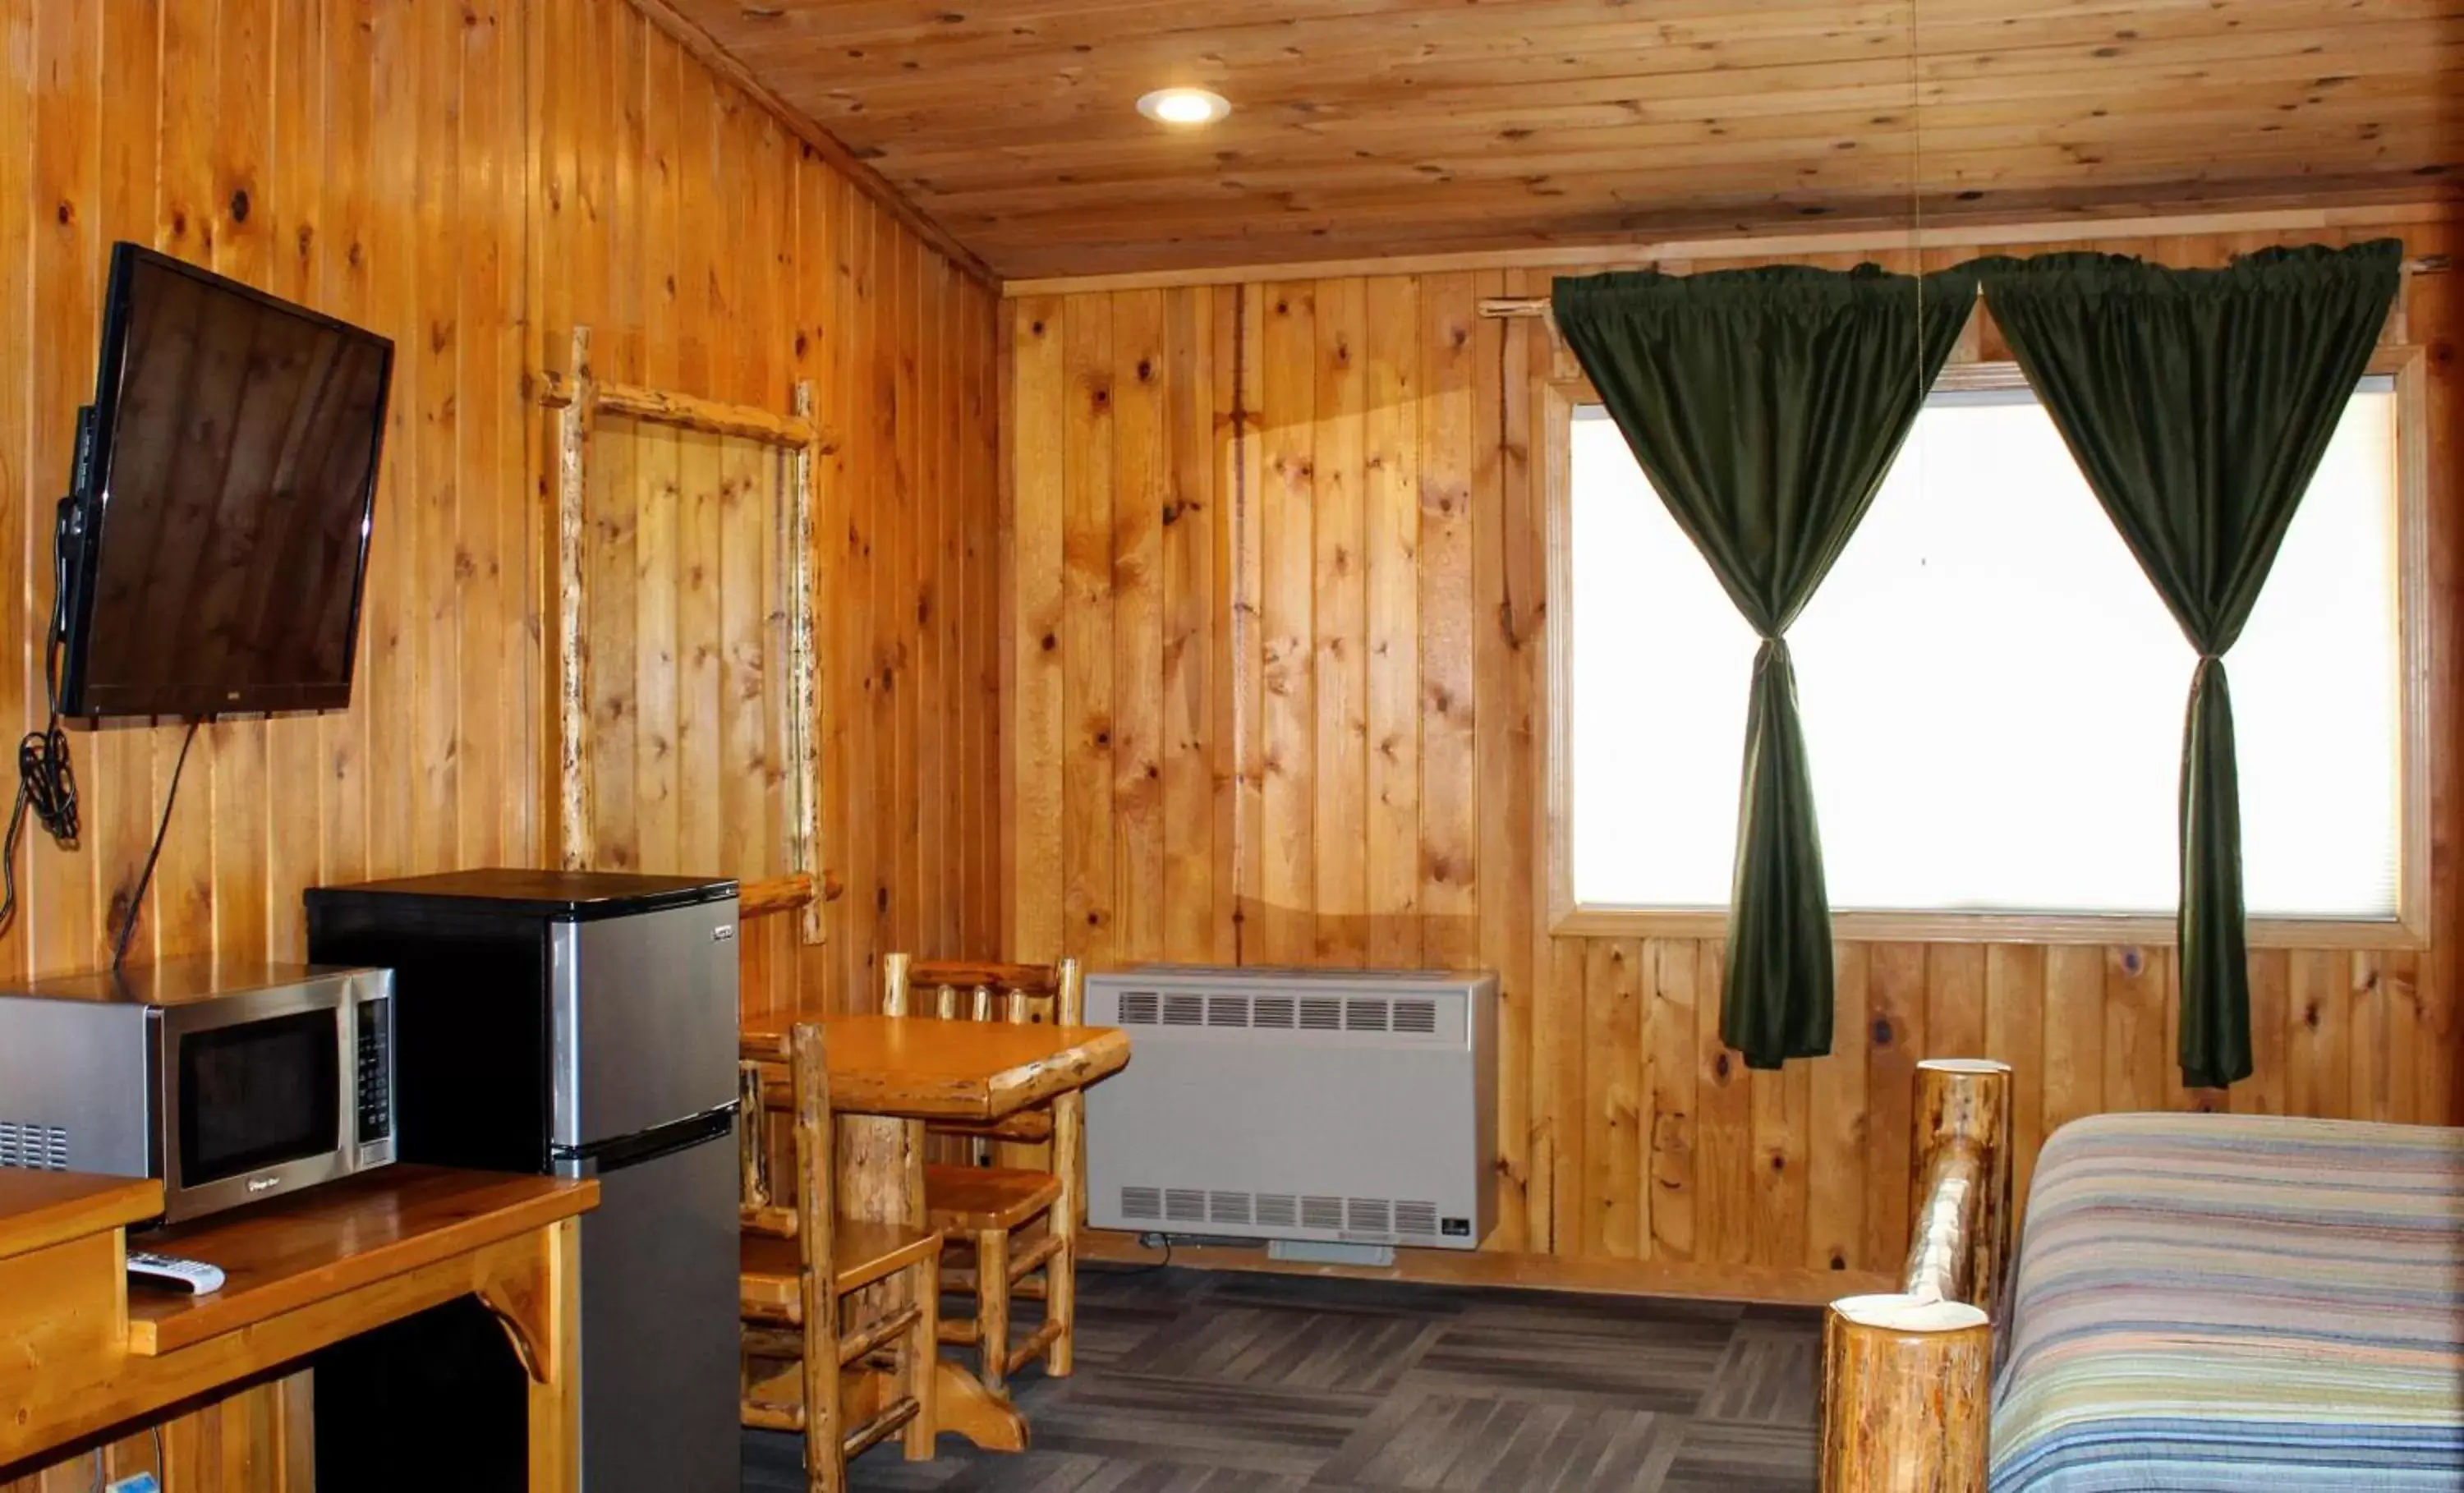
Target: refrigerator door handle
[660, 1140]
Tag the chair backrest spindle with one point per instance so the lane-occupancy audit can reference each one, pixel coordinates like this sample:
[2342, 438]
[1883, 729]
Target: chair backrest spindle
[751, 1138]
[965, 990]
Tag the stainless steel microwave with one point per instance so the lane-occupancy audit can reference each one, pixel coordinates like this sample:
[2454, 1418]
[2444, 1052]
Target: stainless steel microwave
[229, 1083]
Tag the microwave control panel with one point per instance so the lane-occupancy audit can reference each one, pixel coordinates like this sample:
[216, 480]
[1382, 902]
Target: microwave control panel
[376, 1071]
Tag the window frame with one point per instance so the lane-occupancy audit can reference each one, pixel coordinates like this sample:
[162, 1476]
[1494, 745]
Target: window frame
[1556, 394]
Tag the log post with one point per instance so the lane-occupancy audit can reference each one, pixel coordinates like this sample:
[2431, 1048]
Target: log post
[1907, 1385]
[1962, 1105]
[1907, 1377]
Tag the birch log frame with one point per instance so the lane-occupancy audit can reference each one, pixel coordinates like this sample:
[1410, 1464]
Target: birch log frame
[580, 400]
[1906, 1377]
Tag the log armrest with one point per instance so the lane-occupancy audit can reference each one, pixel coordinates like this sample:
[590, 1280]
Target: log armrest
[1907, 1377]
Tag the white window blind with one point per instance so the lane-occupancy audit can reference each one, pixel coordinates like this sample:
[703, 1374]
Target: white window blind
[1993, 691]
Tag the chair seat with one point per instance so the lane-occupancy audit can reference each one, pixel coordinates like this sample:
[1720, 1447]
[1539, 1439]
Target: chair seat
[862, 1253]
[986, 1197]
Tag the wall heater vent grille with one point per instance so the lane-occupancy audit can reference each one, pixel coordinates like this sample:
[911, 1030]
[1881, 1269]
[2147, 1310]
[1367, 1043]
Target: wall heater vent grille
[1341, 1105]
[1278, 1013]
[1376, 1217]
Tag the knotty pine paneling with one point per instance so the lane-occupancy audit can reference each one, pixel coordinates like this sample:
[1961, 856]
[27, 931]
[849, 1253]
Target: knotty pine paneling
[1328, 737]
[473, 180]
[457, 178]
[711, 250]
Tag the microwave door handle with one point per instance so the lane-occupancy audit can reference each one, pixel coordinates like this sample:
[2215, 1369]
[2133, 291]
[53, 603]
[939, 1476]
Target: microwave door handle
[346, 1063]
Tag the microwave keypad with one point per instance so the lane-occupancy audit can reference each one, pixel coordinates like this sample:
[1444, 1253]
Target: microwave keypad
[376, 1071]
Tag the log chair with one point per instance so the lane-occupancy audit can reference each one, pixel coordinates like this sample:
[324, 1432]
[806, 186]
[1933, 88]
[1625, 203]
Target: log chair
[1907, 1377]
[802, 1264]
[983, 1208]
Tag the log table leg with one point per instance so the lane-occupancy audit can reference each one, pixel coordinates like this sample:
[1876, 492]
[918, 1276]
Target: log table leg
[881, 1177]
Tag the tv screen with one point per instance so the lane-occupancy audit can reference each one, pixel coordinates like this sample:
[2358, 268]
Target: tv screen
[214, 545]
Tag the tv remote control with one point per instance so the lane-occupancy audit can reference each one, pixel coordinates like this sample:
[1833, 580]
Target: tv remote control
[193, 1275]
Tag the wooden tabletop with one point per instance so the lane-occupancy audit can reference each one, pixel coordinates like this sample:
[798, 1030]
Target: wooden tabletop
[40, 1209]
[278, 1257]
[919, 1068]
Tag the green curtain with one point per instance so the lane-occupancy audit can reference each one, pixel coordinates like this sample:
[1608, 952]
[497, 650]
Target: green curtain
[2198, 404]
[1765, 406]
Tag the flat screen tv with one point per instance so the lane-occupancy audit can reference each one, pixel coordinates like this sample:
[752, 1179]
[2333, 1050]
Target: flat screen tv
[213, 546]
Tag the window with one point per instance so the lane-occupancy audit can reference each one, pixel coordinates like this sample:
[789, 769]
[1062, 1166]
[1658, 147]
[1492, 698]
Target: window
[1992, 692]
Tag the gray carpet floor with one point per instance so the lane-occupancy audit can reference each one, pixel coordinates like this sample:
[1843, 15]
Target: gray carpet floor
[1217, 1382]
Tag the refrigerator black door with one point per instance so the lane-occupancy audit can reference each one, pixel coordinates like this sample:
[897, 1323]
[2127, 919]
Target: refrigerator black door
[659, 1334]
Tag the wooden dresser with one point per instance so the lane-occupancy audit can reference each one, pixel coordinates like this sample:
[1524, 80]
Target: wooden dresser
[90, 1378]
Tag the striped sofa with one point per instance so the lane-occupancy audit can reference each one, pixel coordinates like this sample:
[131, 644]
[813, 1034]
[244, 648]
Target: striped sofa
[2228, 1303]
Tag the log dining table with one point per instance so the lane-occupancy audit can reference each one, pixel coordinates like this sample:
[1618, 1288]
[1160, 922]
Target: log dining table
[889, 1076]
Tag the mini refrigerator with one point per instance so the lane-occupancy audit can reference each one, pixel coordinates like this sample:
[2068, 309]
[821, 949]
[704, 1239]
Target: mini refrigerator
[573, 1024]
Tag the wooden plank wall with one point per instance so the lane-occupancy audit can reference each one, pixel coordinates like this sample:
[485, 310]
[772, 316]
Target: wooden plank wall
[685, 621]
[1279, 625]
[677, 220]
[424, 171]
[473, 180]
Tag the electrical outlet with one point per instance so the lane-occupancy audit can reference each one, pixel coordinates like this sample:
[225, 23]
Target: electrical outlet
[135, 1483]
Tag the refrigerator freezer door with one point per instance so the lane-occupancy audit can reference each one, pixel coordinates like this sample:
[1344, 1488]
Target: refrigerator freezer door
[643, 1018]
[659, 1379]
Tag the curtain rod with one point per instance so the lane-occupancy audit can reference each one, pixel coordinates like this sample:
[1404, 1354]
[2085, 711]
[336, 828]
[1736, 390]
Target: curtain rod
[1538, 305]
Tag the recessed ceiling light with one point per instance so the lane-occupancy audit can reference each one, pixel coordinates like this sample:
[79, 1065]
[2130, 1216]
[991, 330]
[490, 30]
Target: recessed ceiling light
[1184, 106]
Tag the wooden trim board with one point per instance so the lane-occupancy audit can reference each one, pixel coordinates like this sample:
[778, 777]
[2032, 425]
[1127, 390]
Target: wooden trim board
[1540, 305]
[1759, 1284]
[1646, 253]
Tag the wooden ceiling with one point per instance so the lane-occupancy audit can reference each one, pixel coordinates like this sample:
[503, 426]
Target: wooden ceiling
[1365, 127]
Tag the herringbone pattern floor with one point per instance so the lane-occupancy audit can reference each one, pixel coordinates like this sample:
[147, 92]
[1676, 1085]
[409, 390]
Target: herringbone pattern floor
[1196, 1382]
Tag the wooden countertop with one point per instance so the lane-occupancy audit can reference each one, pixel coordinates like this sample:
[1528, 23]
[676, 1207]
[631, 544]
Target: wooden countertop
[86, 1351]
[278, 1257]
[923, 1068]
[40, 1209]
